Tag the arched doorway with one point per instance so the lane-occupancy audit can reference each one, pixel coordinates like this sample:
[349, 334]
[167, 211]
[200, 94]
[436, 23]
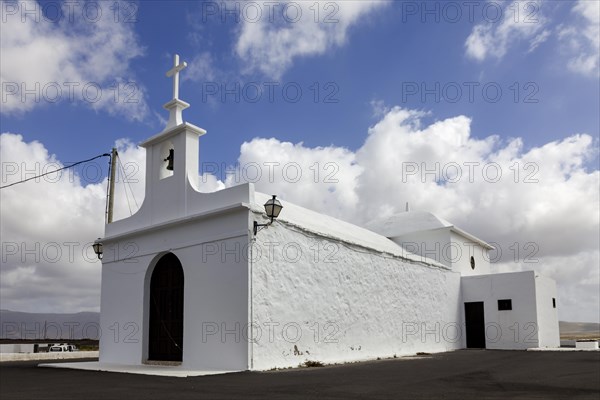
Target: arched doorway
[166, 310]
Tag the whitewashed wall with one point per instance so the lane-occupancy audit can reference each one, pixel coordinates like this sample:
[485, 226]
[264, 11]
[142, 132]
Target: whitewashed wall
[16, 348]
[122, 307]
[545, 291]
[175, 217]
[319, 299]
[461, 259]
[448, 248]
[212, 252]
[518, 328]
[216, 305]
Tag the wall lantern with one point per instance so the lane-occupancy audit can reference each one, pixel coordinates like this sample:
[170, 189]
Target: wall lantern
[272, 208]
[98, 249]
[170, 160]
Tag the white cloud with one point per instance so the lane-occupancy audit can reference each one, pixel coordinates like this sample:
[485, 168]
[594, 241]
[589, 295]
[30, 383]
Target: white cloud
[201, 69]
[48, 225]
[582, 38]
[68, 60]
[539, 39]
[296, 29]
[379, 108]
[46, 228]
[546, 201]
[521, 21]
[322, 178]
[493, 188]
[579, 38]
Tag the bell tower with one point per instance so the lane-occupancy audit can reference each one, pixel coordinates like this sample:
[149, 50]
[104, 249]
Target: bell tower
[172, 158]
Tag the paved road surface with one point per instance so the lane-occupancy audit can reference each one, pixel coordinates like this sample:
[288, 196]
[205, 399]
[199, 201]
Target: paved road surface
[466, 374]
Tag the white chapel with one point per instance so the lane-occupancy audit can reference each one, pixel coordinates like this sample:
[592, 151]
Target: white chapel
[217, 281]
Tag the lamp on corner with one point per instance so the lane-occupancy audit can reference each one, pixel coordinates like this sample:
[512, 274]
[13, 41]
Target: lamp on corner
[272, 208]
[98, 249]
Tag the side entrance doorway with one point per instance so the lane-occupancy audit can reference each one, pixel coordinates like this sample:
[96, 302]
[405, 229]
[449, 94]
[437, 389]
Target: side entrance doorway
[475, 325]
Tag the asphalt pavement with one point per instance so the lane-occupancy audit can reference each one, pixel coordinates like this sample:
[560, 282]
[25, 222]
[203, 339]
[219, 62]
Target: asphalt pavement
[465, 374]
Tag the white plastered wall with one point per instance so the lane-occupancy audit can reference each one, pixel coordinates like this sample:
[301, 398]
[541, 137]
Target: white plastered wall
[513, 329]
[211, 250]
[548, 332]
[323, 300]
[462, 249]
[122, 307]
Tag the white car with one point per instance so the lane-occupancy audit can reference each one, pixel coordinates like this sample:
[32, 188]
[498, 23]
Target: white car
[62, 347]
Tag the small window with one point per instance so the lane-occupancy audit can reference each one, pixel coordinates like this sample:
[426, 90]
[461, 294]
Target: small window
[472, 262]
[505, 304]
[553, 302]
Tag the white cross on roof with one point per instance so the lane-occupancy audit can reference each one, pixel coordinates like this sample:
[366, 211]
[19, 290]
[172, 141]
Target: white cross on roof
[174, 72]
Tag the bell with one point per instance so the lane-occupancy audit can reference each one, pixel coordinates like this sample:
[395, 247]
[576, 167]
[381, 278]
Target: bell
[170, 160]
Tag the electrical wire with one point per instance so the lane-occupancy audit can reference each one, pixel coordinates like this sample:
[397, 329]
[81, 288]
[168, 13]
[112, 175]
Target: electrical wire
[122, 172]
[56, 170]
[125, 180]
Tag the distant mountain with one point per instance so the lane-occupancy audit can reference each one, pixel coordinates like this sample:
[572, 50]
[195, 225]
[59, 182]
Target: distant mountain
[22, 325]
[567, 328]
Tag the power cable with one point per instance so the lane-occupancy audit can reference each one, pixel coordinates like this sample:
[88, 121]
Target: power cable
[126, 181]
[56, 170]
[122, 172]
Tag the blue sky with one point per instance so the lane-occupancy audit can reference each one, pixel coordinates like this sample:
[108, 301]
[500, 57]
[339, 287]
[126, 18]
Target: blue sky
[384, 84]
[389, 55]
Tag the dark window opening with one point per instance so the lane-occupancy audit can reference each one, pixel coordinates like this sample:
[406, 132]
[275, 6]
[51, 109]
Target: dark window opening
[472, 262]
[553, 302]
[505, 304]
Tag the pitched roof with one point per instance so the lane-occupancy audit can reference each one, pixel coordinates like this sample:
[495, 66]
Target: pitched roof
[335, 229]
[418, 221]
[408, 222]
